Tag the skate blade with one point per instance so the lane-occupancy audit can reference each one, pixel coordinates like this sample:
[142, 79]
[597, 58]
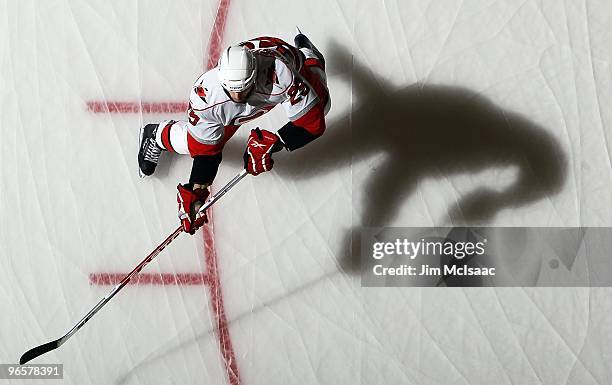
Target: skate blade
[140, 133]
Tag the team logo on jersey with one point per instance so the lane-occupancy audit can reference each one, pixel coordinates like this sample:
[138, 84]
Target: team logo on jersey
[201, 92]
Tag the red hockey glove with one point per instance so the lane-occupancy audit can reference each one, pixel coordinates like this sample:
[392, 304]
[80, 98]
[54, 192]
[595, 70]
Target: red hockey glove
[189, 202]
[258, 153]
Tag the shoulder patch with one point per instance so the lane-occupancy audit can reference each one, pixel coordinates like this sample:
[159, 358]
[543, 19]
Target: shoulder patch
[201, 92]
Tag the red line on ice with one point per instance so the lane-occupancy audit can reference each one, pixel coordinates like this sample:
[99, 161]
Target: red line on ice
[214, 50]
[210, 251]
[101, 107]
[182, 279]
[211, 278]
[216, 35]
[216, 299]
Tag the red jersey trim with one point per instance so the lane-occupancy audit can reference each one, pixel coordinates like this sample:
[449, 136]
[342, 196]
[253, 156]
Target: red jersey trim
[196, 148]
[216, 104]
[313, 121]
[165, 136]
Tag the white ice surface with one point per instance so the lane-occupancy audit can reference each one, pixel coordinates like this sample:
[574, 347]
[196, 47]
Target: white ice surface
[71, 201]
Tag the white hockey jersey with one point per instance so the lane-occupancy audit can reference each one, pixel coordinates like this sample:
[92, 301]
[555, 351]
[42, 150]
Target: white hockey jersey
[214, 117]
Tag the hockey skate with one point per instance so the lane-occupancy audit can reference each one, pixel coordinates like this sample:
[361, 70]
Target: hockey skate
[149, 152]
[301, 41]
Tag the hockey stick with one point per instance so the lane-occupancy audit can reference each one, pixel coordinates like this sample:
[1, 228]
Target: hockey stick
[42, 349]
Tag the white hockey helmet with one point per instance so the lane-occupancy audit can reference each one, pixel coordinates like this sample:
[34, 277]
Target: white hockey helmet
[237, 68]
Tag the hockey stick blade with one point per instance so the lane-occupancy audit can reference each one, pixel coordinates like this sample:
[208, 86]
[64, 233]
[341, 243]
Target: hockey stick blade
[39, 351]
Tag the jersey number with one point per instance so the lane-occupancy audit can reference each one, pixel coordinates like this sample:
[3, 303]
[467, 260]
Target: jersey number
[297, 91]
[193, 118]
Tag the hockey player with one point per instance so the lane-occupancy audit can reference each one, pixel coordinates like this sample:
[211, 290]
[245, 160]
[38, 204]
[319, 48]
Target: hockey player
[249, 80]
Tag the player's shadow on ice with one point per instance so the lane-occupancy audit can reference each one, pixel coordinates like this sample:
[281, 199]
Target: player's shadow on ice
[425, 131]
